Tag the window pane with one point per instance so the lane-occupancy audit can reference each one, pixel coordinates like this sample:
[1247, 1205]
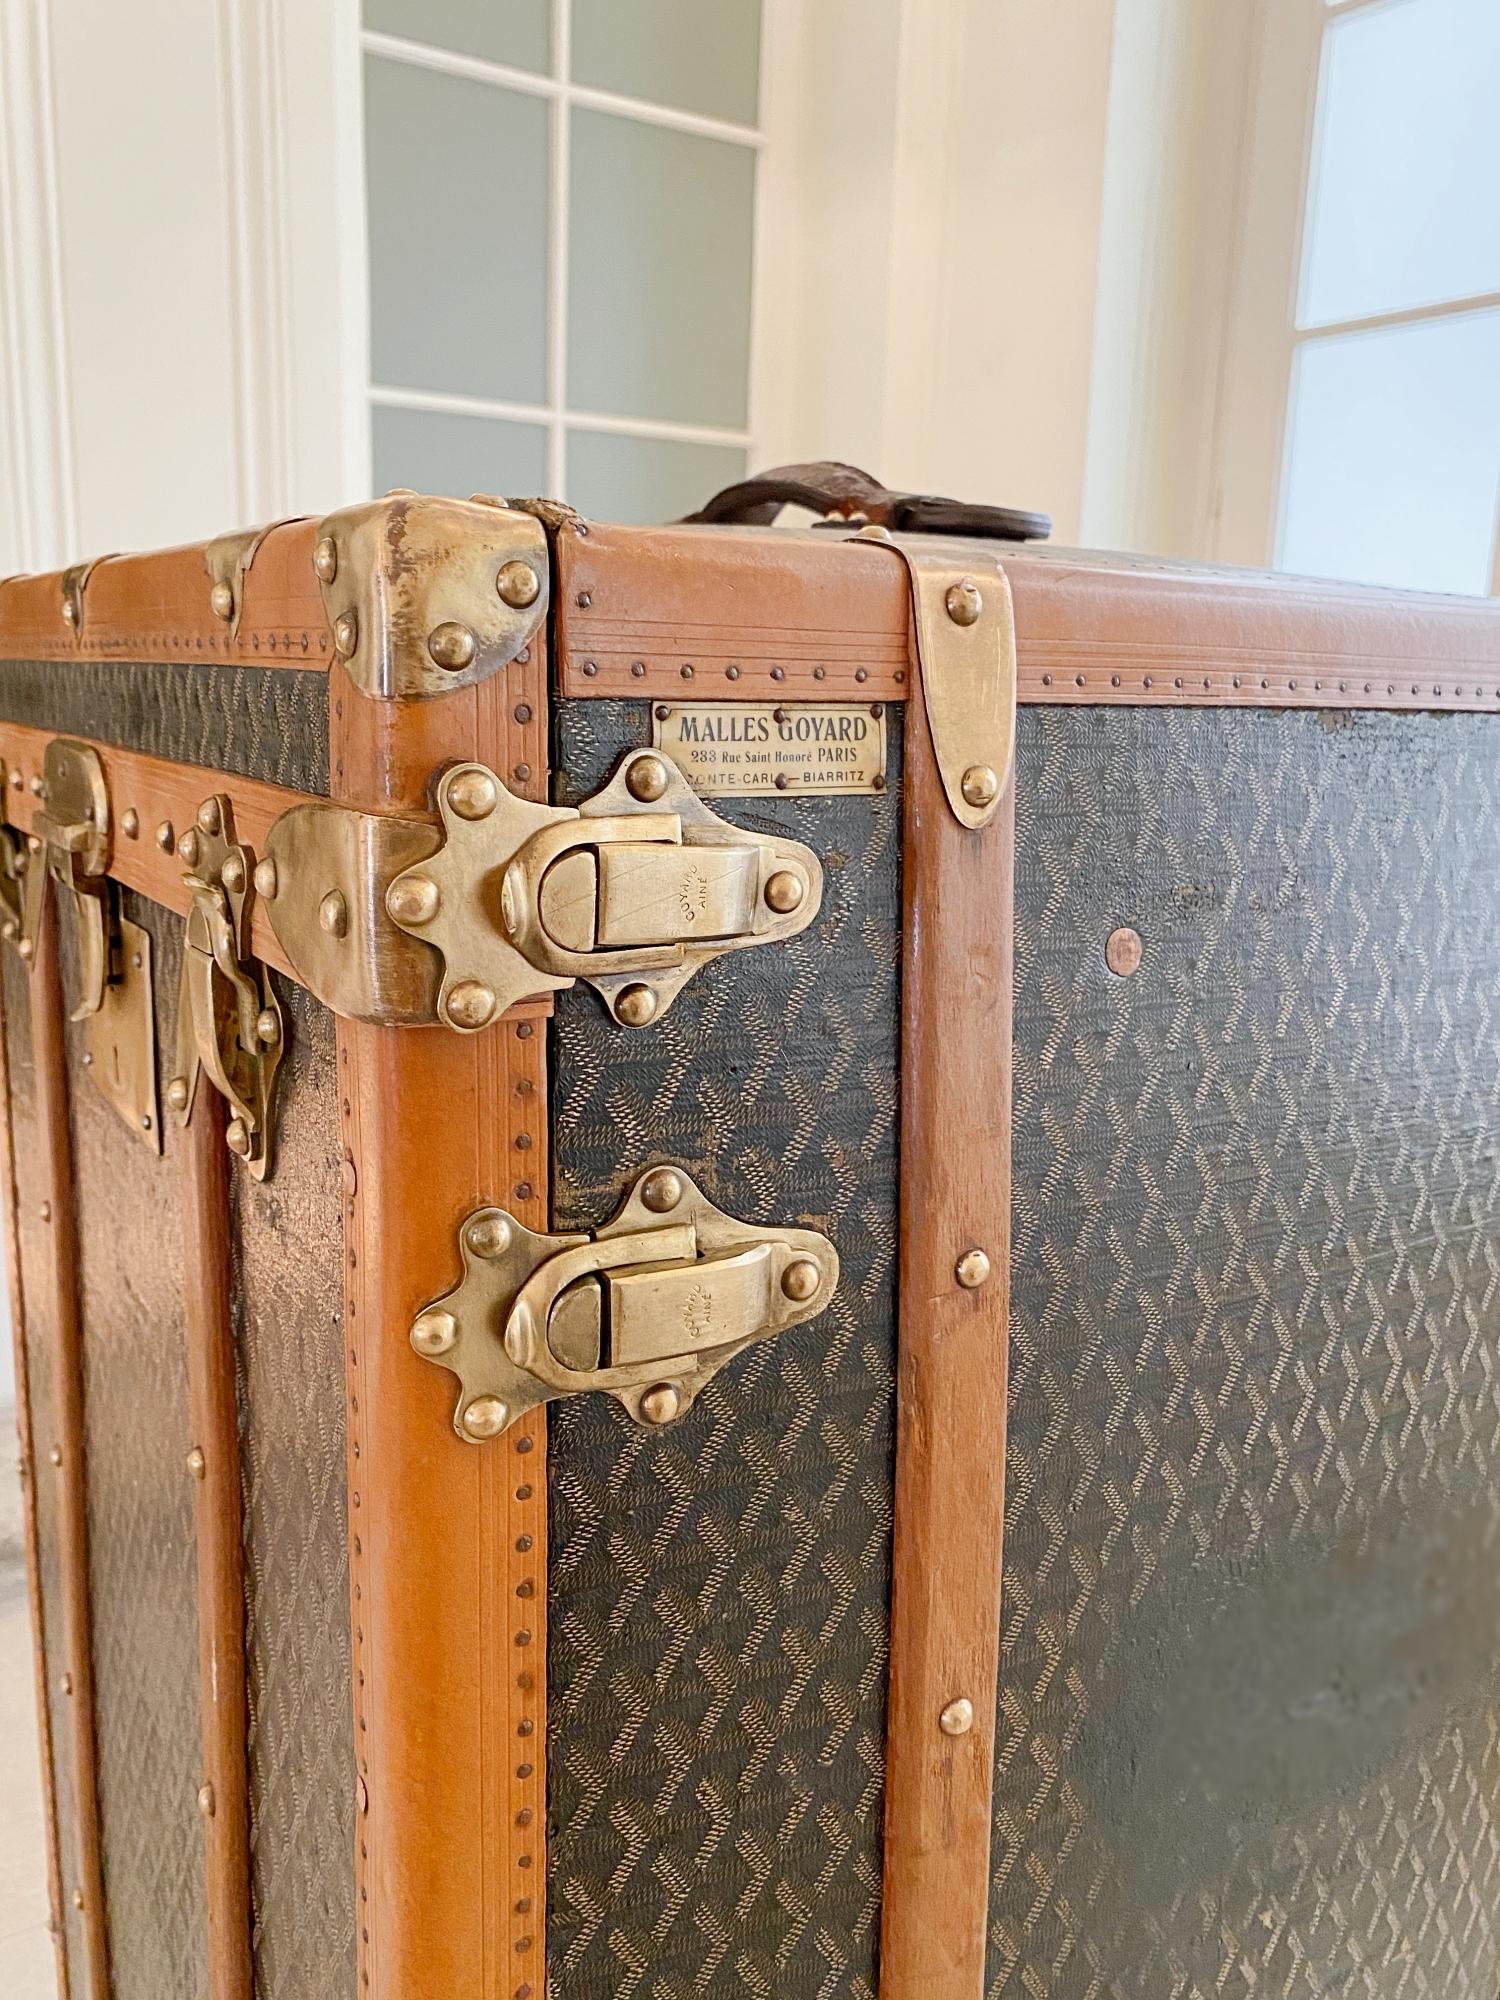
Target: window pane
[659, 273]
[1393, 461]
[516, 32]
[699, 57]
[439, 452]
[645, 479]
[1405, 201]
[457, 175]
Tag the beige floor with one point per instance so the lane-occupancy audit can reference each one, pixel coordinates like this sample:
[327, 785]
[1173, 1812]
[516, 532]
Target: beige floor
[27, 1966]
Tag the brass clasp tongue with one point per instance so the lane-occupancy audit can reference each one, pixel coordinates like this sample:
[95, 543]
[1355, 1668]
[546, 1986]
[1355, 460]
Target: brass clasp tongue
[647, 1310]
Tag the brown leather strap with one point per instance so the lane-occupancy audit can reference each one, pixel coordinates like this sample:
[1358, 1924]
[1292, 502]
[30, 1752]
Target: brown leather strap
[828, 487]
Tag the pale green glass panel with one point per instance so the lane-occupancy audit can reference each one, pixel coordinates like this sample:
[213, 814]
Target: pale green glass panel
[614, 478]
[699, 55]
[457, 179]
[659, 273]
[437, 451]
[515, 32]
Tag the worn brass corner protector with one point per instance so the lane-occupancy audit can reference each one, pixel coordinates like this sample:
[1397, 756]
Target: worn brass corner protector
[229, 1021]
[425, 595]
[647, 1310]
[74, 585]
[227, 559]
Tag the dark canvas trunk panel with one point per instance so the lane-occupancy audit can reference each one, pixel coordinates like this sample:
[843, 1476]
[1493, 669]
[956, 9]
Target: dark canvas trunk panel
[1250, 1706]
[288, 1238]
[719, 1593]
[142, 1560]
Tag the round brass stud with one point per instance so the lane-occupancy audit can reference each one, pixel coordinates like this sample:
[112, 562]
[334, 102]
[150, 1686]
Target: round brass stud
[661, 1190]
[44, 1210]
[452, 646]
[130, 823]
[1122, 952]
[197, 1464]
[957, 1719]
[784, 891]
[325, 559]
[78, 1899]
[646, 779]
[268, 1026]
[187, 847]
[964, 601]
[488, 1235]
[10, 930]
[635, 1006]
[166, 837]
[472, 794]
[979, 785]
[470, 1003]
[25, 947]
[221, 597]
[434, 1331]
[413, 899]
[265, 878]
[518, 585]
[65, 1683]
[232, 874]
[972, 1270]
[237, 1137]
[206, 1801]
[55, 1455]
[177, 1093]
[800, 1280]
[486, 1417]
[333, 914]
[209, 816]
[661, 1404]
[346, 633]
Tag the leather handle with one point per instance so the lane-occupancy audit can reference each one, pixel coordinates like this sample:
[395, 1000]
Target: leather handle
[831, 489]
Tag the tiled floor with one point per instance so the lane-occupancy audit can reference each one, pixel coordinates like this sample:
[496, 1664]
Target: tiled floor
[27, 1965]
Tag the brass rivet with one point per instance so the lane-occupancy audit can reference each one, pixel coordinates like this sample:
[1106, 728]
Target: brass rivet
[325, 559]
[434, 1331]
[197, 1464]
[333, 914]
[165, 837]
[78, 1899]
[661, 1190]
[265, 878]
[55, 1455]
[413, 899]
[1122, 952]
[237, 1136]
[452, 646]
[488, 1235]
[221, 597]
[486, 1417]
[518, 584]
[800, 1280]
[177, 1093]
[130, 823]
[979, 785]
[206, 1801]
[45, 1211]
[472, 794]
[646, 779]
[209, 816]
[957, 1719]
[232, 874]
[661, 1404]
[346, 633]
[25, 947]
[268, 1026]
[964, 601]
[470, 1004]
[635, 1006]
[784, 891]
[187, 847]
[66, 1683]
[972, 1270]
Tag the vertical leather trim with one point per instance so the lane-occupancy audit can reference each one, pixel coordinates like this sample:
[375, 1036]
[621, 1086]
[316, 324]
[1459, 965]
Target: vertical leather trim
[951, 1385]
[221, 1550]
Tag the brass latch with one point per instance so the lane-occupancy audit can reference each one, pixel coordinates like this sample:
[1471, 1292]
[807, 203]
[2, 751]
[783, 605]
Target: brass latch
[70, 845]
[647, 1310]
[388, 919]
[229, 1021]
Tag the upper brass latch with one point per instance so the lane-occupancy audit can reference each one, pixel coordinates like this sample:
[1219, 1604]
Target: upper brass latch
[70, 845]
[635, 890]
[647, 1310]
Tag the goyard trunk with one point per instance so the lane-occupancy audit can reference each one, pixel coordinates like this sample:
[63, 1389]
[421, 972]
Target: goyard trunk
[599, 1117]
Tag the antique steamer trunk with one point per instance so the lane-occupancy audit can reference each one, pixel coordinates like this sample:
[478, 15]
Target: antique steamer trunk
[599, 1117]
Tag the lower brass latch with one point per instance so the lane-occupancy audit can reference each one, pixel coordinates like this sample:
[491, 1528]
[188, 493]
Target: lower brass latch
[647, 1310]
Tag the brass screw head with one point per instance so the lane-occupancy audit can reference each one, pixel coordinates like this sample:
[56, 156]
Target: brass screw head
[661, 1190]
[413, 899]
[646, 779]
[237, 1136]
[78, 1899]
[488, 1235]
[206, 1801]
[635, 1006]
[177, 1093]
[979, 785]
[957, 1719]
[333, 914]
[800, 1280]
[472, 794]
[209, 816]
[268, 1026]
[197, 1464]
[165, 836]
[964, 601]
[452, 646]
[44, 1210]
[187, 847]
[661, 1404]
[232, 874]
[972, 1270]
[265, 878]
[433, 1332]
[518, 584]
[784, 891]
[10, 929]
[346, 633]
[470, 1003]
[221, 597]
[325, 559]
[130, 823]
[486, 1417]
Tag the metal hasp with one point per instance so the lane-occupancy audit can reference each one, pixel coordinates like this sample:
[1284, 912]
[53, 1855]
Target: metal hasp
[229, 1021]
[70, 845]
[647, 1309]
[119, 1051]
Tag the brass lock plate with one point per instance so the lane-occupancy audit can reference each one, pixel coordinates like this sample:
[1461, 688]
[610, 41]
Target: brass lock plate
[119, 1053]
[647, 1310]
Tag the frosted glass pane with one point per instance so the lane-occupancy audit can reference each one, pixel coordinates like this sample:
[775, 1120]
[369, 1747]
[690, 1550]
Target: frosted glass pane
[659, 273]
[1393, 464]
[645, 479]
[1405, 201]
[457, 177]
[516, 32]
[438, 452]
[701, 55]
